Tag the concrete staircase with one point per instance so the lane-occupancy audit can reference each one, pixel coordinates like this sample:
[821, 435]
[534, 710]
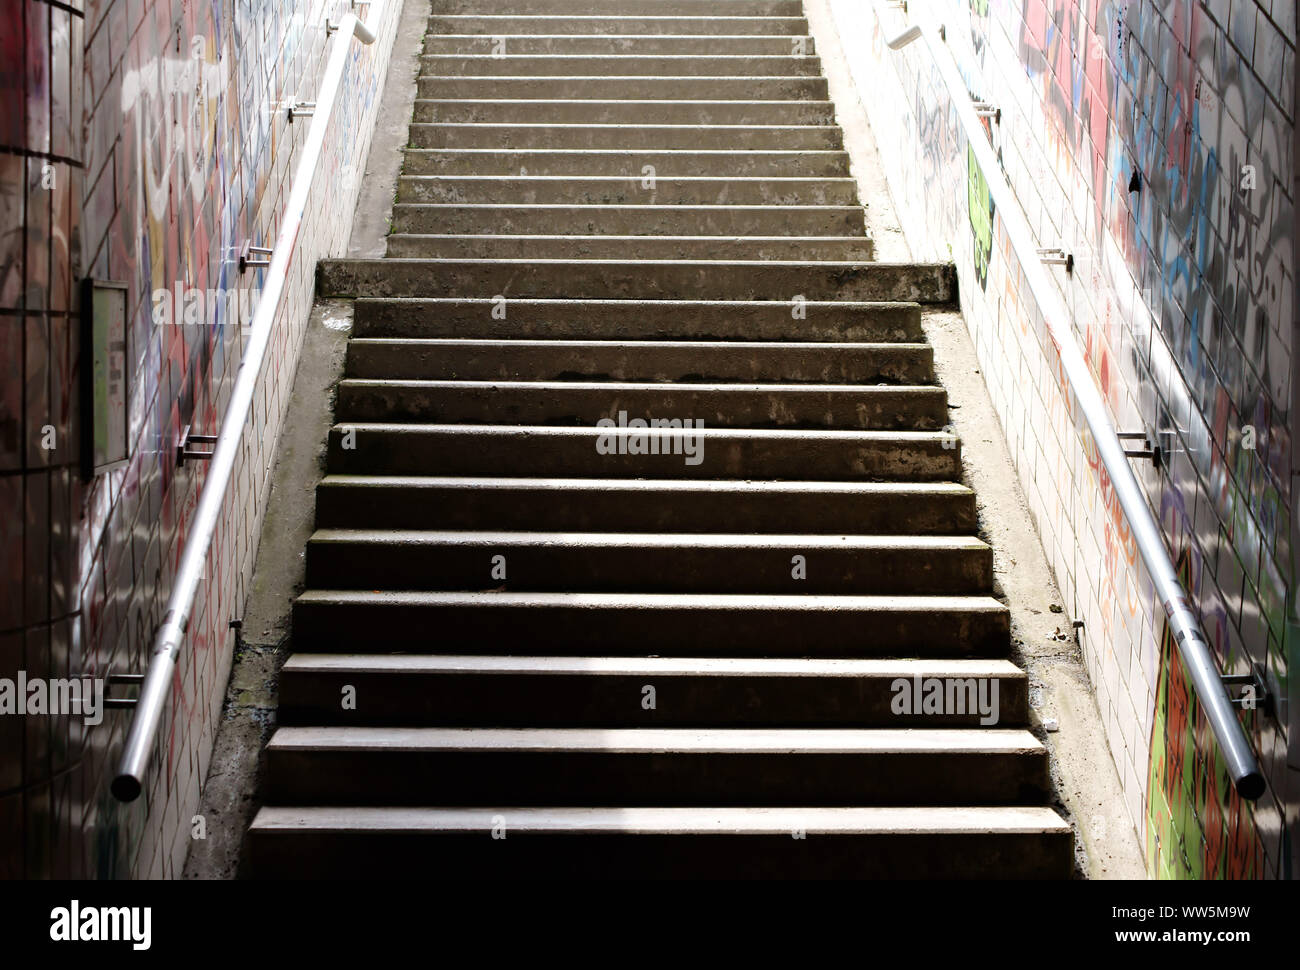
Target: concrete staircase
[519, 654]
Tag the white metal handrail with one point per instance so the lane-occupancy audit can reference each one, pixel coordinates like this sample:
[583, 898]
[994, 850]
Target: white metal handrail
[1192, 645]
[129, 780]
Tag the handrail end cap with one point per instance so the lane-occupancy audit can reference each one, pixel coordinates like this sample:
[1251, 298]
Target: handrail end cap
[125, 788]
[1251, 785]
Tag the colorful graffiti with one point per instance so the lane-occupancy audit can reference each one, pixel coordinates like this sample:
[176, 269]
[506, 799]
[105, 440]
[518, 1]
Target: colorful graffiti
[980, 207]
[182, 154]
[1153, 142]
[1197, 825]
[1161, 149]
[1208, 231]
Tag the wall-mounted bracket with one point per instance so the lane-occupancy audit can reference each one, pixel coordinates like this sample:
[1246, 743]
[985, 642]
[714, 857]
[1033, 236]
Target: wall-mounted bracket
[184, 452]
[130, 680]
[1055, 256]
[252, 257]
[1148, 450]
[1255, 694]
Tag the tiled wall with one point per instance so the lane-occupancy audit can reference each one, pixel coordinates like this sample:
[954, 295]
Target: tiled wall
[1153, 140]
[40, 493]
[164, 126]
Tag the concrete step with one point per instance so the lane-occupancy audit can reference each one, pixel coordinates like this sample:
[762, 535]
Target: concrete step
[644, 247]
[378, 559]
[642, 44]
[719, 320]
[495, 579]
[489, 690]
[624, 112]
[579, 163]
[619, 65]
[599, 22]
[644, 505]
[634, 767]
[780, 88]
[583, 403]
[647, 360]
[942, 842]
[624, 220]
[668, 624]
[559, 452]
[638, 279]
[623, 8]
[654, 137]
[755, 201]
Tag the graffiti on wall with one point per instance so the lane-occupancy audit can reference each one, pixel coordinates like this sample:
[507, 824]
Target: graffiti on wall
[1157, 151]
[1198, 826]
[979, 204]
[1183, 201]
[187, 155]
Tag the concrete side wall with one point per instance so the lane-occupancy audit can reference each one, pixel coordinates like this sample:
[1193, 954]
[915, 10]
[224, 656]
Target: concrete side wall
[1153, 140]
[182, 151]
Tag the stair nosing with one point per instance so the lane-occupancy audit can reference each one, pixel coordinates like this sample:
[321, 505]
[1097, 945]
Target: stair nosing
[478, 482]
[815, 667]
[814, 820]
[633, 540]
[792, 742]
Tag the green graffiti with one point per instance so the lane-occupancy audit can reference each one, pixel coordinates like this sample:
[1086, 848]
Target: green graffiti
[980, 207]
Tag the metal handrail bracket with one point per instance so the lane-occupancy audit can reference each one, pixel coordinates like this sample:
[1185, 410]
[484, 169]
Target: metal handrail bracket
[129, 781]
[1192, 645]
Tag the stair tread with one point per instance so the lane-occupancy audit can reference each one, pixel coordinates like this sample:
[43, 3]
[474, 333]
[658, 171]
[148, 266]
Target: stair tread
[644, 540]
[650, 601]
[559, 431]
[551, 125]
[729, 102]
[691, 387]
[734, 346]
[508, 56]
[648, 208]
[867, 543]
[730, 153]
[607, 77]
[620, 180]
[647, 238]
[791, 741]
[445, 36]
[433, 263]
[562, 302]
[778, 821]
[306, 663]
[476, 482]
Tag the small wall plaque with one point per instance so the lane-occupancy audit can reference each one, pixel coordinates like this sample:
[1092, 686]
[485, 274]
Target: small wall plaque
[104, 392]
